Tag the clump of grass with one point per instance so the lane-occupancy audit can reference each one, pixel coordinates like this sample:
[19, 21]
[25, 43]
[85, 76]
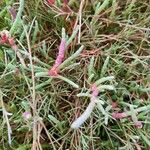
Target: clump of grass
[99, 97]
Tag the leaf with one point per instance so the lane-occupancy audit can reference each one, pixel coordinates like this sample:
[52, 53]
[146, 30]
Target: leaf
[56, 122]
[109, 78]
[53, 119]
[104, 68]
[106, 87]
[147, 141]
[73, 56]
[1, 55]
[68, 81]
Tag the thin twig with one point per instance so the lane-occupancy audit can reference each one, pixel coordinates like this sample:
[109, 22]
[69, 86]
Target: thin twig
[34, 103]
[5, 117]
[80, 19]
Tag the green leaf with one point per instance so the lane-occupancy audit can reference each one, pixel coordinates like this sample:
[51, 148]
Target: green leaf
[147, 141]
[104, 68]
[1, 55]
[53, 119]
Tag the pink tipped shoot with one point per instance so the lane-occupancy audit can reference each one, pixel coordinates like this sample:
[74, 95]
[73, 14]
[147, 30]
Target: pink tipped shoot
[51, 2]
[4, 36]
[119, 115]
[94, 90]
[54, 70]
[26, 115]
[138, 124]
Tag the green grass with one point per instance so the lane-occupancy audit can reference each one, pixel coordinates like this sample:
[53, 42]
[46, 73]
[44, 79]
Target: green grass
[112, 39]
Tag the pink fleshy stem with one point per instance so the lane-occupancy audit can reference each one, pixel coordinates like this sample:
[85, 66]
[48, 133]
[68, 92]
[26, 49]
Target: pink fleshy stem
[119, 115]
[5, 35]
[54, 70]
[137, 124]
[7, 39]
[94, 90]
[51, 2]
[61, 53]
[137, 110]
